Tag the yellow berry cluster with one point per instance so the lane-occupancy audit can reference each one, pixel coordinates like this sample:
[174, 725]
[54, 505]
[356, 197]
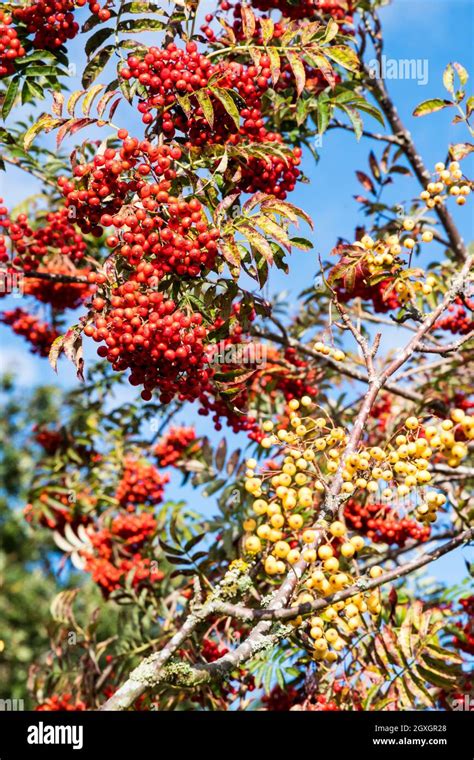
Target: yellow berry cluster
[449, 182]
[335, 353]
[381, 254]
[338, 623]
[287, 495]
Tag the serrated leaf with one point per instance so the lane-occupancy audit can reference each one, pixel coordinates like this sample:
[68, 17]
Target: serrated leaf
[135, 26]
[431, 106]
[189, 545]
[44, 124]
[90, 97]
[233, 462]
[365, 181]
[72, 101]
[221, 454]
[10, 96]
[206, 104]
[267, 28]
[257, 241]
[462, 73]
[298, 70]
[248, 21]
[95, 40]
[301, 243]
[176, 550]
[213, 487]
[460, 150]
[323, 115]
[273, 230]
[344, 56]
[355, 120]
[275, 65]
[96, 65]
[228, 102]
[448, 79]
[177, 560]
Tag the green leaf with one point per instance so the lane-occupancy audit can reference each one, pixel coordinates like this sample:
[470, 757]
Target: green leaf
[267, 27]
[462, 73]
[448, 79]
[431, 106]
[90, 97]
[275, 66]
[257, 241]
[141, 6]
[189, 545]
[206, 104]
[135, 26]
[323, 115]
[10, 96]
[355, 120]
[96, 65]
[44, 124]
[298, 70]
[95, 40]
[248, 22]
[229, 104]
[213, 487]
[273, 230]
[301, 243]
[344, 56]
[371, 110]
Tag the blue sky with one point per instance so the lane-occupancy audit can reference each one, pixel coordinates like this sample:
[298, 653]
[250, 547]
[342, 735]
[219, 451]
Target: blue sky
[438, 31]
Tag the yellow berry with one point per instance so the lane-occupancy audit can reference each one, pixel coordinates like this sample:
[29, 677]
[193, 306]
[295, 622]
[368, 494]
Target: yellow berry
[253, 545]
[325, 552]
[348, 550]
[375, 571]
[337, 528]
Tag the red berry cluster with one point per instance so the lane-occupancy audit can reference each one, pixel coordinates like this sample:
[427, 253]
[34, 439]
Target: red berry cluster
[49, 440]
[119, 549]
[101, 186]
[50, 21]
[102, 13]
[134, 529]
[39, 334]
[10, 46]
[161, 345]
[170, 447]
[5, 226]
[212, 651]
[457, 319]
[46, 509]
[281, 700]
[111, 568]
[61, 295]
[54, 234]
[382, 524]
[170, 74]
[383, 295]
[382, 411]
[141, 484]
[64, 703]
[158, 234]
[465, 640]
